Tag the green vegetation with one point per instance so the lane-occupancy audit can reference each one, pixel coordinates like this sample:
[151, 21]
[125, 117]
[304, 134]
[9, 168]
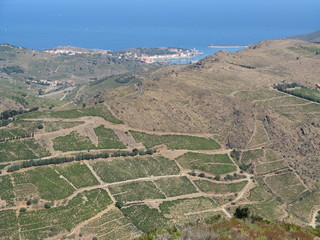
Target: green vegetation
[287, 186]
[49, 222]
[11, 113]
[309, 108]
[175, 186]
[252, 228]
[306, 93]
[2, 167]
[78, 174]
[6, 193]
[72, 142]
[124, 169]
[182, 210]
[215, 164]
[9, 225]
[175, 141]
[251, 156]
[260, 137]
[12, 69]
[136, 191]
[76, 113]
[259, 194]
[271, 209]
[116, 220]
[145, 218]
[220, 188]
[55, 126]
[21, 150]
[58, 160]
[283, 101]
[270, 167]
[4, 133]
[304, 205]
[108, 139]
[299, 91]
[48, 183]
[272, 155]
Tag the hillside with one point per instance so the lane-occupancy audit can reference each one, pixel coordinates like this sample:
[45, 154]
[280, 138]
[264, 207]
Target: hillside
[59, 75]
[181, 144]
[310, 37]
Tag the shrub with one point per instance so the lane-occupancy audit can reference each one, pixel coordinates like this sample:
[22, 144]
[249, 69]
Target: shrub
[119, 204]
[201, 175]
[47, 205]
[22, 210]
[242, 212]
[235, 154]
[12, 69]
[149, 151]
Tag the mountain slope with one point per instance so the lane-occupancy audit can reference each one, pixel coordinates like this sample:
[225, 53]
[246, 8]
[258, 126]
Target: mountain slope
[310, 37]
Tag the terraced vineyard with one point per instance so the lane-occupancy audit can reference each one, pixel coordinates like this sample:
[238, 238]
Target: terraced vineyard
[29, 196]
[195, 178]
[131, 193]
[190, 144]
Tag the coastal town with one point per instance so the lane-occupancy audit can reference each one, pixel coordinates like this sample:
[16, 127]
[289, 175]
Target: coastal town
[146, 55]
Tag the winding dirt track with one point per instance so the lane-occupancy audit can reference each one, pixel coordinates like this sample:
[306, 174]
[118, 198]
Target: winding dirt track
[86, 129]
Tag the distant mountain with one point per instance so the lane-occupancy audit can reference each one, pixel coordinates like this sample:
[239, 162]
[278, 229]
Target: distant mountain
[310, 37]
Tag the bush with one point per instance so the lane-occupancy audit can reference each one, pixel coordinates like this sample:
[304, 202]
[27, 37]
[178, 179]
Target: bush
[12, 69]
[135, 151]
[242, 212]
[119, 204]
[201, 175]
[245, 167]
[22, 210]
[149, 151]
[47, 205]
[235, 154]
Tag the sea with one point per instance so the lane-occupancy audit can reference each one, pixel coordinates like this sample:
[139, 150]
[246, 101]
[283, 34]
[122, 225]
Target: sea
[122, 24]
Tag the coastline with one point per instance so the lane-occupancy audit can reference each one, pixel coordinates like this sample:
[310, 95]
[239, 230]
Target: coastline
[227, 46]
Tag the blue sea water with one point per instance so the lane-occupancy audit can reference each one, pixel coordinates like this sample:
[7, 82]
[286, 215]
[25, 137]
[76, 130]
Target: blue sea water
[122, 24]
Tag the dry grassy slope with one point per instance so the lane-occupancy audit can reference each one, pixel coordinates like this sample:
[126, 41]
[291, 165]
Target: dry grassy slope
[201, 98]
[6, 103]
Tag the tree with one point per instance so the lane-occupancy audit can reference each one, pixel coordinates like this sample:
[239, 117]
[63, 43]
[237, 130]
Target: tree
[242, 213]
